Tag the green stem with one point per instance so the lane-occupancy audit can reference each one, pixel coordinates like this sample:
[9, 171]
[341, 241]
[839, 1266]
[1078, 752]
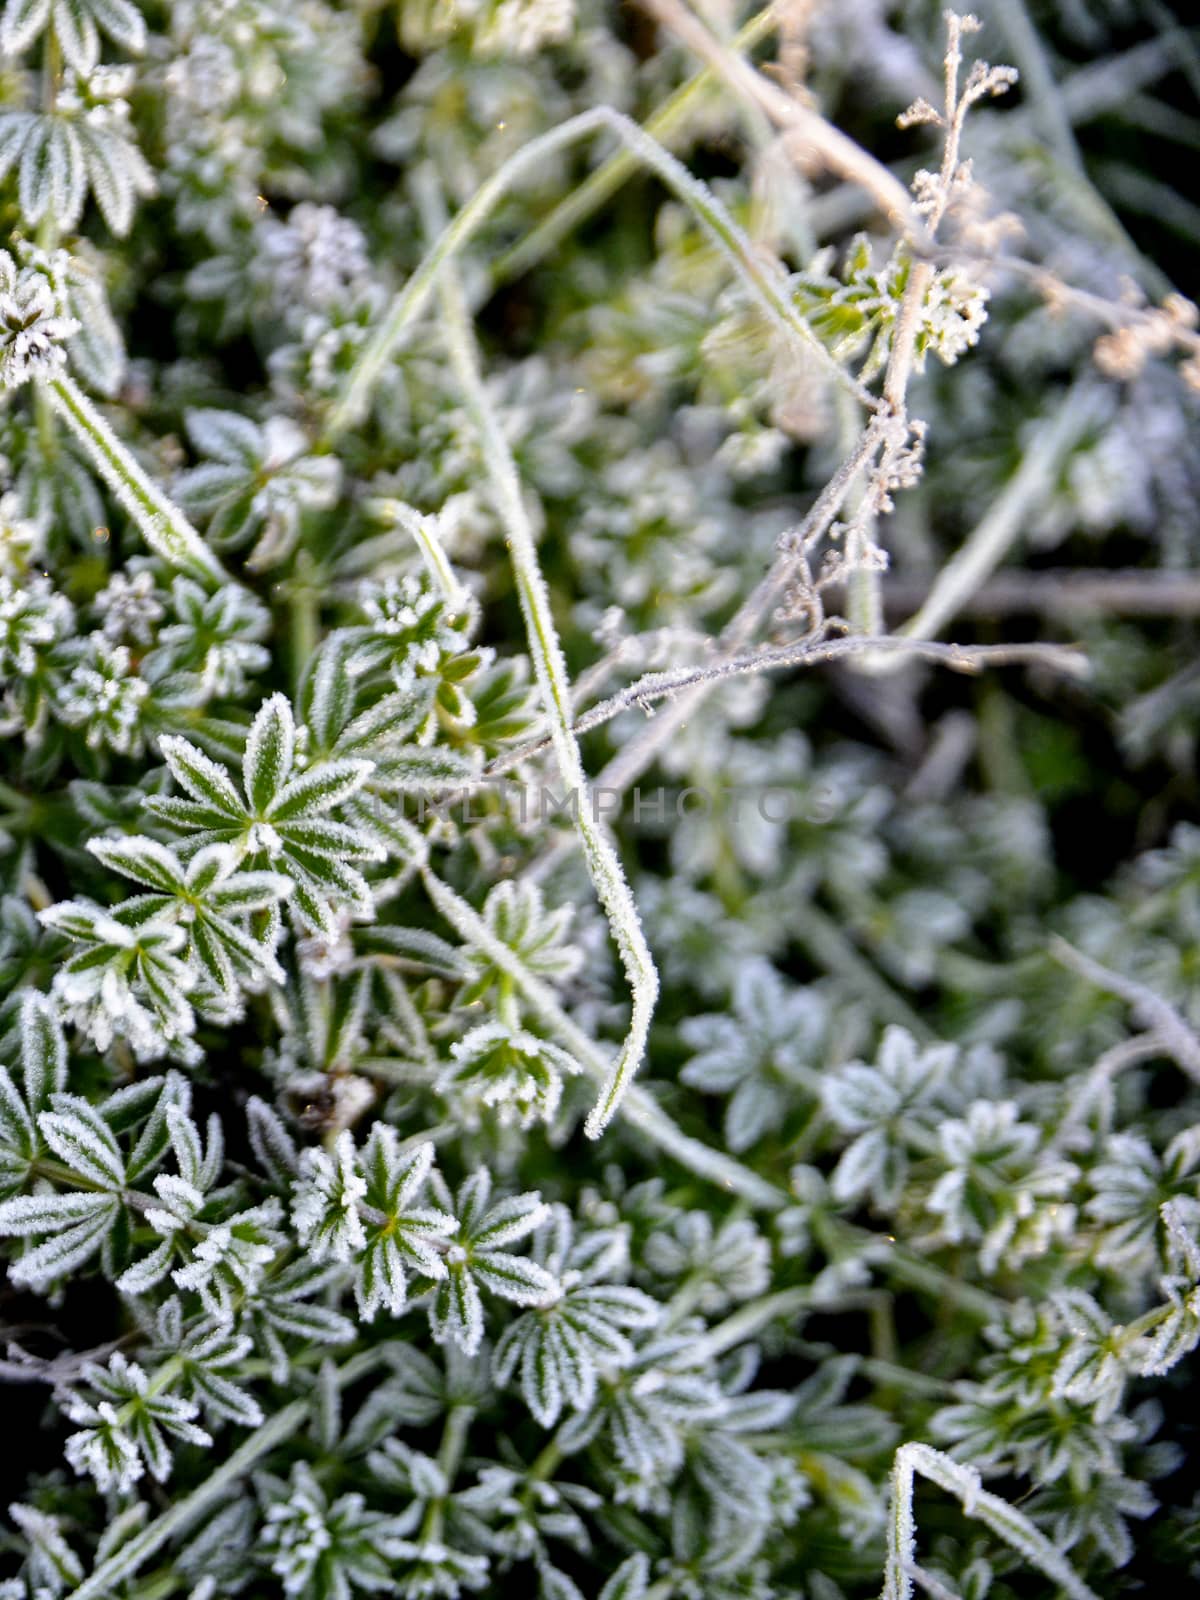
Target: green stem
[304, 617]
[602, 184]
[158, 1585]
[916, 1273]
[454, 1440]
[545, 1464]
[506, 1002]
[763, 280]
[449, 1457]
[163, 525]
[893, 1376]
[52, 66]
[684, 1301]
[603, 863]
[748, 1320]
[43, 410]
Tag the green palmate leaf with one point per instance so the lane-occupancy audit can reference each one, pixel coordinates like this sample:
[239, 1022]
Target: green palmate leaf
[477, 1258]
[327, 693]
[127, 979]
[52, 176]
[144, 860]
[149, 1109]
[120, 20]
[359, 1207]
[281, 1316]
[413, 769]
[395, 717]
[203, 898]
[562, 1351]
[51, 1213]
[259, 481]
[60, 157]
[75, 29]
[44, 1072]
[399, 1235]
[207, 1358]
[77, 26]
[43, 1049]
[511, 1071]
[273, 1145]
[320, 789]
[281, 819]
[19, 1138]
[378, 733]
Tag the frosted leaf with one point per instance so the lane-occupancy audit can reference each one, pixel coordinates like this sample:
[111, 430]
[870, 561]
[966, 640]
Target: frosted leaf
[106, 699]
[32, 618]
[52, 1562]
[257, 484]
[325, 1203]
[77, 25]
[477, 1256]
[33, 322]
[765, 1055]
[886, 1106]
[281, 816]
[126, 981]
[313, 260]
[512, 1072]
[562, 1350]
[721, 1265]
[308, 1539]
[129, 607]
[126, 1425]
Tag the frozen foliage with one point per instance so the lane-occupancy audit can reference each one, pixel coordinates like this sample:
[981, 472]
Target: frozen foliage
[508, 1085]
[34, 322]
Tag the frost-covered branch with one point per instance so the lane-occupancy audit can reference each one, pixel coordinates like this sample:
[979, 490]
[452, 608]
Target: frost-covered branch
[655, 686]
[1178, 1040]
[604, 864]
[163, 525]
[963, 1483]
